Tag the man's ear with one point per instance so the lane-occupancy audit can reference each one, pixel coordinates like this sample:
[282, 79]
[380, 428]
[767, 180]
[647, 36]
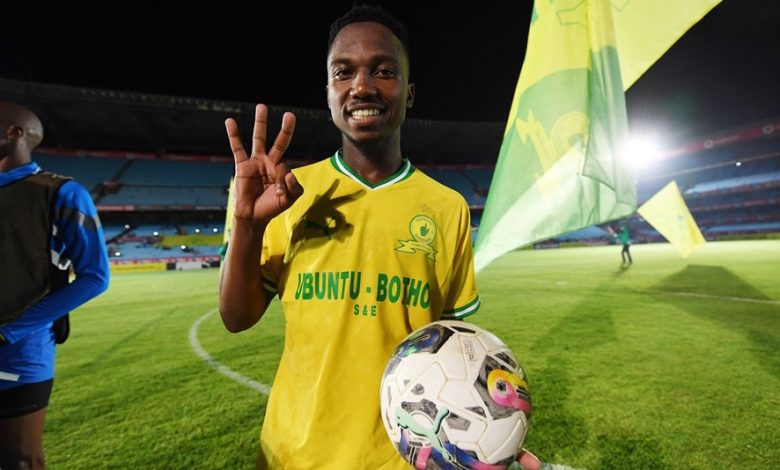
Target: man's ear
[410, 96]
[14, 132]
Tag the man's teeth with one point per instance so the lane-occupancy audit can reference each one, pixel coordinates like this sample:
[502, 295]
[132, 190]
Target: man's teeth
[364, 113]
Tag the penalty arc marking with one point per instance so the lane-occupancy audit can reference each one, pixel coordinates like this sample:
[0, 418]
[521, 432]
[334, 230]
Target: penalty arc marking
[218, 366]
[261, 387]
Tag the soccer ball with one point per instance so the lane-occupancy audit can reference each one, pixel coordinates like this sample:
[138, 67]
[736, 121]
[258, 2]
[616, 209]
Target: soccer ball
[453, 396]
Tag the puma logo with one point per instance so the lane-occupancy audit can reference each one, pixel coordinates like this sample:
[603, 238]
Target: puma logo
[325, 229]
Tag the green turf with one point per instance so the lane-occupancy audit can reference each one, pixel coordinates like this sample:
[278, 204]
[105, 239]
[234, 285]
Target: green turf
[658, 365]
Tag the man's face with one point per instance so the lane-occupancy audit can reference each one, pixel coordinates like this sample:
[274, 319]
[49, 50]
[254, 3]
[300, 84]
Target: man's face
[368, 82]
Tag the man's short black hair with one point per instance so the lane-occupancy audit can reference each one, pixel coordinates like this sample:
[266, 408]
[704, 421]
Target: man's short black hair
[361, 13]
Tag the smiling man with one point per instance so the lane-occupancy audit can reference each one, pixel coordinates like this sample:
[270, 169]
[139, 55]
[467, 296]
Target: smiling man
[370, 251]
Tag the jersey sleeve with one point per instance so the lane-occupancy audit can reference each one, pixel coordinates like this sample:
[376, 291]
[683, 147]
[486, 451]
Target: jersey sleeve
[272, 256]
[461, 295]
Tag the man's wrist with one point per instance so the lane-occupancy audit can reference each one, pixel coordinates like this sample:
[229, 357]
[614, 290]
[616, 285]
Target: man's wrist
[249, 224]
[247, 228]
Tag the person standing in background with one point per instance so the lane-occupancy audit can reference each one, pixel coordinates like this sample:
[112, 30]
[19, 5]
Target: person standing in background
[48, 226]
[625, 239]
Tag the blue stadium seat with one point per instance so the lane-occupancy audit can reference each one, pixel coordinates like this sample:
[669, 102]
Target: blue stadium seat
[89, 171]
[757, 179]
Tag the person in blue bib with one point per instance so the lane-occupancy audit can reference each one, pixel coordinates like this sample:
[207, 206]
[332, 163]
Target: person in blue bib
[48, 227]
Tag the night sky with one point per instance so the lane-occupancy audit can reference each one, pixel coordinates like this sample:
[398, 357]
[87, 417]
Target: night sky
[465, 60]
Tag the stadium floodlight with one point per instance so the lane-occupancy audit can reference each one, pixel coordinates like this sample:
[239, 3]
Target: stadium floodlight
[739, 163]
[642, 150]
[127, 226]
[215, 230]
[197, 230]
[184, 247]
[155, 233]
[117, 254]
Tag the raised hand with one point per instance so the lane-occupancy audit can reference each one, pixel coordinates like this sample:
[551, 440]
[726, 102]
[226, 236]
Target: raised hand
[264, 185]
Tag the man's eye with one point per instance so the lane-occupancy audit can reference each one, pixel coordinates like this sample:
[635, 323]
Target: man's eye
[386, 72]
[341, 74]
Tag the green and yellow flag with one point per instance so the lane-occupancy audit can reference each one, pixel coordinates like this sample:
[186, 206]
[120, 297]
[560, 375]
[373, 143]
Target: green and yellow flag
[560, 166]
[646, 29]
[667, 213]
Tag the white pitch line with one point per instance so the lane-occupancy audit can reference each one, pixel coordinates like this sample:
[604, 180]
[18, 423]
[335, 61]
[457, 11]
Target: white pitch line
[221, 368]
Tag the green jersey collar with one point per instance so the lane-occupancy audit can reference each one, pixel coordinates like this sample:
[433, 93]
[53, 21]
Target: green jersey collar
[341, 166]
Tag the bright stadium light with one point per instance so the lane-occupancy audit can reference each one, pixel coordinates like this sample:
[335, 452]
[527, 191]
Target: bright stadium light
[739, 163]
[197, 230]
[127, 226]
[155, 233]
[215, 230]
[642, 151]
[184, 247]
[116, 253]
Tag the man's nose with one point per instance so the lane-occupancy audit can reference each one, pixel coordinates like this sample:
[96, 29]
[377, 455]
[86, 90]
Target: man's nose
[363, 85]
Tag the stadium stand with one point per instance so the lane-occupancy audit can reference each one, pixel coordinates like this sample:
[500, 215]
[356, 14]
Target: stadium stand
[588, 233]
[729, 190]
[131, 251]
[171, 177]
[185, 195]
[177, 173]
[459, 181]
[730, 181]
[89, 171]
[745, 228]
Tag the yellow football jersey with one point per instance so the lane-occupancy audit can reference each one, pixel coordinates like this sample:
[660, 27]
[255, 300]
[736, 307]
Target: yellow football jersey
[358, 267]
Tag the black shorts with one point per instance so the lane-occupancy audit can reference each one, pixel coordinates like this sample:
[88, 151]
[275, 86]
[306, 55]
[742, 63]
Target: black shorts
[24, 399]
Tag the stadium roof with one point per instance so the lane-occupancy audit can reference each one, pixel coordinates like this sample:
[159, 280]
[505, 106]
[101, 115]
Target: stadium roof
[465, 58]
[94, 119]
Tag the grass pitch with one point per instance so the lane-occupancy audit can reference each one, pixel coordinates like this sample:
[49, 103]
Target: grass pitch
[667, 363]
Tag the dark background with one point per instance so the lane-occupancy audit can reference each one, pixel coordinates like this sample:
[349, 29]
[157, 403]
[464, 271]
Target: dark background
[465, 59]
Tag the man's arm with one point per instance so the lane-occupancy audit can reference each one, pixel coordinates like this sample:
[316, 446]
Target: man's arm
[265, 188]
[242, 299]
[81, 238]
